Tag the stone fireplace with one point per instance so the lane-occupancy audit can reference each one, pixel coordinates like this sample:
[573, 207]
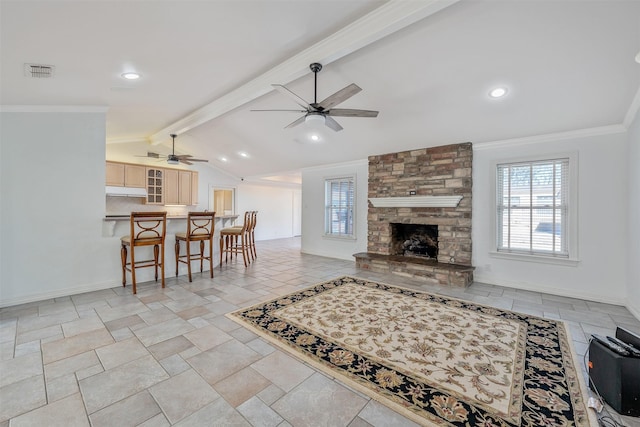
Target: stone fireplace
[419, 219]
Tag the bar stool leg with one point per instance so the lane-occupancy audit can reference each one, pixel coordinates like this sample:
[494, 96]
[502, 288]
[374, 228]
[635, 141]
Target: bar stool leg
[201, 255]
[177, 250]
[245, 255]
[123, 257]
[162, 266]
[133, 269]
[211, 257]
[189, 259]
[156, 251]
[221, 249]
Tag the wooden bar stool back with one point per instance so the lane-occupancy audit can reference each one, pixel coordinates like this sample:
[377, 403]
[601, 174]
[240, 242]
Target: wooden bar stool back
[146, 229]
[200, 228]
[251, 235]
[229, 243]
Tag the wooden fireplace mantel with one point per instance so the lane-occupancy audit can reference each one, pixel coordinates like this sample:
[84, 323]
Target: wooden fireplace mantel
[416, 202]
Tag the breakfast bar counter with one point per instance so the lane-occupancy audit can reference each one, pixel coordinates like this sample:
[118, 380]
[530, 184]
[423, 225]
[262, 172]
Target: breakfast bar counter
[111, 222]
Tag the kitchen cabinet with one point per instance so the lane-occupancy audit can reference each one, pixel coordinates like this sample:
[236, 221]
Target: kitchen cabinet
[164, 186]
[184, 188]
[134, 176]
[179, 186]
[125, 175]
[171, 187]
[155, 186]
[115, 174]
[194, 188]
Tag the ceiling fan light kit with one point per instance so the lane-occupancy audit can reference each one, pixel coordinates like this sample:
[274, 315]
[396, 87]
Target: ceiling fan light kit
[318, 113]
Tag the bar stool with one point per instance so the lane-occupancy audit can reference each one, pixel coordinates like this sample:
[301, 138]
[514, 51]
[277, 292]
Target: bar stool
[200, 228]
[229, 244]
[146, 229]
[251, 233]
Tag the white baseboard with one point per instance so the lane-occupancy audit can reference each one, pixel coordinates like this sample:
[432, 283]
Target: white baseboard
[608, 299]
[634, 311]
[329, 255]
[58, 293]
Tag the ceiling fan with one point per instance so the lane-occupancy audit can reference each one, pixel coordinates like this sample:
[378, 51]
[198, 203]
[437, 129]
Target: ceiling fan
[323, 111]
[174, 159]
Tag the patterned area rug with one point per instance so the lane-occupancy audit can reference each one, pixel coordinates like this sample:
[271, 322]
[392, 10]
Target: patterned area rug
[437, 360]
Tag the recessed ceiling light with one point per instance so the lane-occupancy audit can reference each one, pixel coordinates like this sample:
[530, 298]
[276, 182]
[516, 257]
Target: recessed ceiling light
[130, 76]
[224, 159]
[315, 137]
[243, 154]
[498, 92]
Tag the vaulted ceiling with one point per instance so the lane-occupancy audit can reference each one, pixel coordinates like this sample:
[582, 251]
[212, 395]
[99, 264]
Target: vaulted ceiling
[427, 66]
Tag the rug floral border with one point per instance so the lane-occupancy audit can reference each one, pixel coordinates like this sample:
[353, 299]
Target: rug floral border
[550, 397]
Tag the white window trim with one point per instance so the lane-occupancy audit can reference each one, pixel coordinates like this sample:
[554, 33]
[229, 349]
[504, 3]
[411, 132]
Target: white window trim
[344, 237]
[572, 218]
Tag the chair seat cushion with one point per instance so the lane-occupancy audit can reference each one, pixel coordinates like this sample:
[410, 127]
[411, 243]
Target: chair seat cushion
[231, 231]
[126, 240]
[194, 236]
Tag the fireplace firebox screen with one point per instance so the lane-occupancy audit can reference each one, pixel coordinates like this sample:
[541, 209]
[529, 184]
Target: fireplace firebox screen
[415, 240]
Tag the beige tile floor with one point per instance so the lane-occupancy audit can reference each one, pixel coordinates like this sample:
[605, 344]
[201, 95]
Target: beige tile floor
[170, 357]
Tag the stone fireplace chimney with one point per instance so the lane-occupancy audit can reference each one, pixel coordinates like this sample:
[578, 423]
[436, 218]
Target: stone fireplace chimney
[428, 187]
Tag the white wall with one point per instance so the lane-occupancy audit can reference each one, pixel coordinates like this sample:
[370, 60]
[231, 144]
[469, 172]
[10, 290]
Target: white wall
[313, 206]
[602, 220]
[52, 205]
[277, 207]
[633, 239]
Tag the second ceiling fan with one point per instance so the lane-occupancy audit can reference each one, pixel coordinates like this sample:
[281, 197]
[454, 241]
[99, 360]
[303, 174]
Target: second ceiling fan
[173, 158]
[323, 110]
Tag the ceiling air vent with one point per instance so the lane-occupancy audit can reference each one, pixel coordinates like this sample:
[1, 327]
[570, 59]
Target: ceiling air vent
[39, 71]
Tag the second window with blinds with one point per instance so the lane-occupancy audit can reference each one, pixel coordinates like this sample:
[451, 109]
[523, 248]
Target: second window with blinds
[339, 217]
[535, 209]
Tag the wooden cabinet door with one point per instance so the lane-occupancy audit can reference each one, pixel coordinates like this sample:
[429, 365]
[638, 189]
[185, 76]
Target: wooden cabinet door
[115, 174]
[184, 188]
[134, 176]
[171, 187]
[194, 188]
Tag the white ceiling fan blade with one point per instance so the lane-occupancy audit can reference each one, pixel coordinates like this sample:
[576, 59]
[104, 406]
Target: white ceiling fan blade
[331, 123]
[340, 96]
[350, 112]
[286, 92]
[296, 122]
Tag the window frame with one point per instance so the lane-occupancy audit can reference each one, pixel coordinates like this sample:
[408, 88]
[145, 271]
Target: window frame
[327, 206]
[571, 225]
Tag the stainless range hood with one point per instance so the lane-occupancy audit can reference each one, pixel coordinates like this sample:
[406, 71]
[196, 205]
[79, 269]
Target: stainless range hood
[125, 191]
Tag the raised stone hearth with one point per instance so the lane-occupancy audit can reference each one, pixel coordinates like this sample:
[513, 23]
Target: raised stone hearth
[439, 176]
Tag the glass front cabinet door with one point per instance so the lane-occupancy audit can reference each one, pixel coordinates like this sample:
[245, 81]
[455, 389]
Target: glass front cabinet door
[154, 186]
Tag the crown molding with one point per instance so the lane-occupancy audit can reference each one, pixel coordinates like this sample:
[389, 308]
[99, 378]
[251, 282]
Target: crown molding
[361, 162]
[53, 108]
[379, 23]
[537, 139]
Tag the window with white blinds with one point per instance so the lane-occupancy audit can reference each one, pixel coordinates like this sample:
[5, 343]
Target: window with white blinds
[533, 207]
[339, 202]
